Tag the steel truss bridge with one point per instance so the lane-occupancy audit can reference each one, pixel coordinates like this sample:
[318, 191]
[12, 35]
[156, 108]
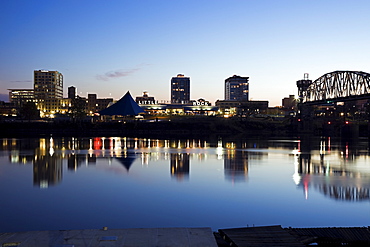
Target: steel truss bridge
[335, 87]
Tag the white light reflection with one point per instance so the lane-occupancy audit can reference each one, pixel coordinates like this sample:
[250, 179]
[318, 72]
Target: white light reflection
[51, 149]
[219, 150]
[118, 143]
[91, 144]
[296, 176]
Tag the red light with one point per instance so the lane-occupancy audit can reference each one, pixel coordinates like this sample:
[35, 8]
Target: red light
[299, 119]
[329, 122]
[347, 122]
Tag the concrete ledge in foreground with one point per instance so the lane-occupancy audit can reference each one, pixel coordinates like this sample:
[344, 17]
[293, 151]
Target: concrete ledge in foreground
[184, 237]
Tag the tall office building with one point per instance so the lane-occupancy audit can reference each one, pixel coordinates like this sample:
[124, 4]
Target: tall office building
[180, 89]
[48, 85]
[48, 91]
[237, 88]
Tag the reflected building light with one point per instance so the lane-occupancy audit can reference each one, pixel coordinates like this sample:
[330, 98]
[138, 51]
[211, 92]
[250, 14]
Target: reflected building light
[296, 176]
[230, 145]
[199, 145]
[51, 151]
[14, 158]
[103, 142]
[179, 144]
[329, 144]
[91, 145]
[110, 143]
[145, 159]
[42, 144]
[205, 144]
[134, 144]
[187, 144]
[149, 143]
[322, 147]
[219, 144]
[73, 143]
[118, 143]
[157, 143]
[327, 172]
[166, 144]
[44, 184]
[305, 186]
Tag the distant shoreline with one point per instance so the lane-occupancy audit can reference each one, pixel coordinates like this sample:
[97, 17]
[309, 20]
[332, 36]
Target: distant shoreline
[176, 128]
[196, 127]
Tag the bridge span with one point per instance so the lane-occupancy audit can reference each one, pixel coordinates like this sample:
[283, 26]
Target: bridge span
[335, 86]
[336, 99]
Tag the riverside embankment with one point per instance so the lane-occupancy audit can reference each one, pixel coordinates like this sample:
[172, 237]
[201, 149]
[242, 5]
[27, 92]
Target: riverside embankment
[186, 127]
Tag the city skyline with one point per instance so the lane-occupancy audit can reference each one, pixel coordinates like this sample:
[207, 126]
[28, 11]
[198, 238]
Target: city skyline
[111, 47]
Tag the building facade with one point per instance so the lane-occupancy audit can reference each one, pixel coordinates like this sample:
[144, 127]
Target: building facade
[48, 91]
[145, 99]
[48, 84]
[237, 88]
[71, 92]
[94, 104]
[180, 89]
[241, 108]
[20, 96]
[289, 103]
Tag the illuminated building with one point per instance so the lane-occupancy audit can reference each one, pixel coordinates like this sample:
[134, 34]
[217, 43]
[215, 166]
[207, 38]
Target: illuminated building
[180, 89]
[20, 96]
[145, 99]
[48, 91]
[48, 84]
[237, 88]
[242, 108]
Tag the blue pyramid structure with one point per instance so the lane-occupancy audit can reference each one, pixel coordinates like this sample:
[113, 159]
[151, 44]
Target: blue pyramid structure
[126, 106]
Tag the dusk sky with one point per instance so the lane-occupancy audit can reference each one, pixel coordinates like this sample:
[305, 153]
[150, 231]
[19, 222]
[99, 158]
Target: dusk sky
[109, 47]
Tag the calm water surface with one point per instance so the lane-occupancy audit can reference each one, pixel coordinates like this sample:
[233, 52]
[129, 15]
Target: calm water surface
[76, 183]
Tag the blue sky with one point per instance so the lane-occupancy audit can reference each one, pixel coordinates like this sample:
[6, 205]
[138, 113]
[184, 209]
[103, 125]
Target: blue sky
[109, 47]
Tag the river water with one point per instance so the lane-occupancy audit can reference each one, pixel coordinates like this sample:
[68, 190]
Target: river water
[87, 183]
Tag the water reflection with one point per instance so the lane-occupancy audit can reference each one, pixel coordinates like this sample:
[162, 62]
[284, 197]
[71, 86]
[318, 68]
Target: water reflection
[180, 165]
[47, 155]
[340, 172]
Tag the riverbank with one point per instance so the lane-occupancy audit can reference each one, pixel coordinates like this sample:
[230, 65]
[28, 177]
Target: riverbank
[182, 127]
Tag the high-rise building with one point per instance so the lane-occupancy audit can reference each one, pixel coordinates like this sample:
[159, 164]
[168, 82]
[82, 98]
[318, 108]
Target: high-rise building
[48, 84]
[48, 91]
[237, 88]
[180, 89]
